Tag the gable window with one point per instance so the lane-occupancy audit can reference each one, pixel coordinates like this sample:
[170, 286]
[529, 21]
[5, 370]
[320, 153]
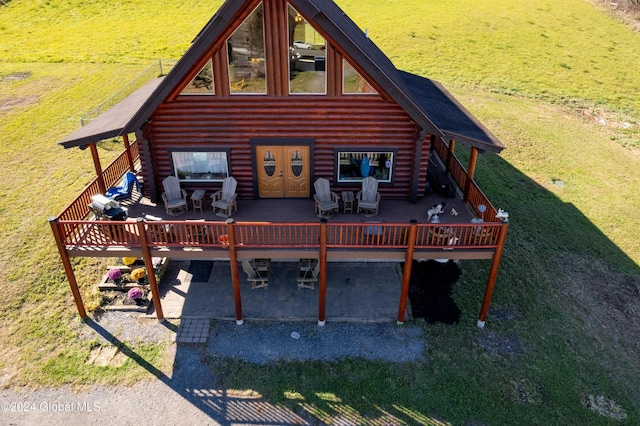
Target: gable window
[307, 57]
[193, 166]
[247, 71]
[353, 166]
[353, 82]
[202, 84]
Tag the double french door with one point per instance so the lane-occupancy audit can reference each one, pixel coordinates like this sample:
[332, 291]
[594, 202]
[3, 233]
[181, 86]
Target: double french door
[283, 171]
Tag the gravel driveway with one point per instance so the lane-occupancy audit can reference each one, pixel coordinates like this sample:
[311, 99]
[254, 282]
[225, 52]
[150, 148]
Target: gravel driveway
[188, 396]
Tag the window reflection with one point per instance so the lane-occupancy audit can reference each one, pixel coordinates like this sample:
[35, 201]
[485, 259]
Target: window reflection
[307, 56]
[353, 82]
[355, 166]
[247, 72]
[201, 83]
[195, 166]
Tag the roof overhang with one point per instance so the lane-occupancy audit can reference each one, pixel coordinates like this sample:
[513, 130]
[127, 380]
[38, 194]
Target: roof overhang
[453, 119]
[112, 122]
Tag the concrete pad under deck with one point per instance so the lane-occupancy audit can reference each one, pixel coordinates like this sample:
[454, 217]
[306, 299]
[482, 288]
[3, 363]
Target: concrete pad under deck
[364, 292]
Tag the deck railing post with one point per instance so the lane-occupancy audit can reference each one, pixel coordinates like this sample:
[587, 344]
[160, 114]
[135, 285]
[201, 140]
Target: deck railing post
[493, 273]
[235, 275]
[322, 279]
[148, 263]
[406, 276]
[127, 148]
[471, 171]
[68, 268]
[96, 164]
[450, 155]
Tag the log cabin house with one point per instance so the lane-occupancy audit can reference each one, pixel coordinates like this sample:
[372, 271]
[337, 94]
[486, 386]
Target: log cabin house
[278, 93]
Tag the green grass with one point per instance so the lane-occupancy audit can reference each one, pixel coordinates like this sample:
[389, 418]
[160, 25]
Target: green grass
[533, 72]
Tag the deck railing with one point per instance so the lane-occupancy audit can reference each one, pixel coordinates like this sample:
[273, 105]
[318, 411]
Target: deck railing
[78, 209]
[265, 235]
[475, 196]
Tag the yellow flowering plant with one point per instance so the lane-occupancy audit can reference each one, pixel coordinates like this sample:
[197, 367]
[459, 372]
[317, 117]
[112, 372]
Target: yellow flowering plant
[128, 261]
[138, 274]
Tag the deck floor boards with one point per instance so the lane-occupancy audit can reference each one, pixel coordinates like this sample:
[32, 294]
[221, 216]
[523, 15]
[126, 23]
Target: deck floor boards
[302, 210]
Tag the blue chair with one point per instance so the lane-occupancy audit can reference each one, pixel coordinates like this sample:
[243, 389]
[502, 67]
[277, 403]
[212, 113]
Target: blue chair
[124, 190]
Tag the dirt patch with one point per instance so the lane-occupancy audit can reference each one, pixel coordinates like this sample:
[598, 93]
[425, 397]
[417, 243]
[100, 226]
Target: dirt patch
[501, 345]
[7, 104]
[523, 390]
[16, 76]
[608, 119]
[106, 356]
[11, 103]
[604, 406]
[608, 301]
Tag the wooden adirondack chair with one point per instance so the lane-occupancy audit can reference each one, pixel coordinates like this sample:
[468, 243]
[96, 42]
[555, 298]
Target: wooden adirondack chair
[326, 200]
[308, 273]
[369, 197]
[257, 276]
[224, 200]
[175, 198]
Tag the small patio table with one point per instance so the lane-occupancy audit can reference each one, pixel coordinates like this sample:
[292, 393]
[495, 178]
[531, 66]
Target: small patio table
[348, 199]
[196, 199]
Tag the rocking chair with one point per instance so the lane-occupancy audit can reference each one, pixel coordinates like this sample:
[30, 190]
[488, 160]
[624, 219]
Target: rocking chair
[224, 200]
[326, 200]
[369, 197]
[175, 199]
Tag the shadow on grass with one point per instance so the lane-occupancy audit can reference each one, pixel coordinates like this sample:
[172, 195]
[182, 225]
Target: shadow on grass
[559, 272]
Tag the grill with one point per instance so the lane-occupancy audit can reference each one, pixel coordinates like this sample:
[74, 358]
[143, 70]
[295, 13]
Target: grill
[107, 209]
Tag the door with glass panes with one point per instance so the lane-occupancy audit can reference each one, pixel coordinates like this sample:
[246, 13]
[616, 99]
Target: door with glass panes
[283, 171]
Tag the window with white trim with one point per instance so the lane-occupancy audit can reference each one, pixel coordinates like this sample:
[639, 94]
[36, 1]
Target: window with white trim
[194, 166]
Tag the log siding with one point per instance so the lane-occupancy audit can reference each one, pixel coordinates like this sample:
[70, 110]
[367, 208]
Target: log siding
[356, 122]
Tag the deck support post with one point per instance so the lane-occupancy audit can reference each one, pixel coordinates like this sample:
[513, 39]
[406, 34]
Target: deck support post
[450, 155]
[406, 276]
[98, 167]
[471, 171]
[322, 280]
[235, 275]
[127, 149]
[68, 268]
[493, 273]
[148, 264]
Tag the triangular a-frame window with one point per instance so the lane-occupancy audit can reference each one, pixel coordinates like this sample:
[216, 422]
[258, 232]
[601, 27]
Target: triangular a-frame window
[202, 83]
[352, 81]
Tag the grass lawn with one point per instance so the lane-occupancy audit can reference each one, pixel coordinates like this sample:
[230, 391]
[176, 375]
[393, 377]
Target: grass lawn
[557, 82]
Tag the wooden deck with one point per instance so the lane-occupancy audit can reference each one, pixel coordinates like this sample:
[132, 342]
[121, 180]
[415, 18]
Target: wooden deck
[283, 229]
[302, 210]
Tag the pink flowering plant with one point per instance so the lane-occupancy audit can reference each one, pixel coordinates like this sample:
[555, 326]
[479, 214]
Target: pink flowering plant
[134, 294]
[114, 274]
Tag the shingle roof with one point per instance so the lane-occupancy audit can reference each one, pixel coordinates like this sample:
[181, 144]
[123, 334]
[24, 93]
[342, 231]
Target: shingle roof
[430, 105]
[111, 123]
